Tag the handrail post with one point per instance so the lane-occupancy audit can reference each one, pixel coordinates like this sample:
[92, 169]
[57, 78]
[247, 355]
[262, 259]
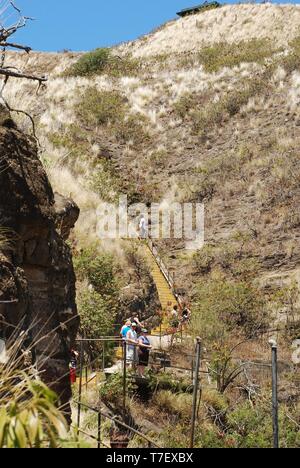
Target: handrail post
[124, 376]
[80, 385]
[99, 430]
[103, 355]
[86, 378]
[195, 395]
[275, 395]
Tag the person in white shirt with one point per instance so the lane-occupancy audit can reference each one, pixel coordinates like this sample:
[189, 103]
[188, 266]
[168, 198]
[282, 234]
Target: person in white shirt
[132, 342]
[143, 227]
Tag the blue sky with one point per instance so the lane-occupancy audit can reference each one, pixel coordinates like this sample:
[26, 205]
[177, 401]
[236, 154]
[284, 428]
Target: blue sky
[86, 24]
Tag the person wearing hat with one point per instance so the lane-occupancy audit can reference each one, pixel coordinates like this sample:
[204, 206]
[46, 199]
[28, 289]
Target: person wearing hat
[143, 352]
[132, 342]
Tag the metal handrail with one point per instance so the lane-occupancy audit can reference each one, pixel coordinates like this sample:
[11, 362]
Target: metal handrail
[120, 423]
[163, 268]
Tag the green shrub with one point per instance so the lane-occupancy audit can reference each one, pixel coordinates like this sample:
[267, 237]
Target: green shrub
[102, 61]
[225, 305]
[96, 314]
[91, 63]
[97, 303]
[204, 259]
[132, 128]
[228, 106]
[101, 107]
[112, 391]
[110, 110]
[105, 182]
[183, 106]
[223, 54]
[179, 405]
[73, 139]
[165, 381]
[291, 61]
[99, 270]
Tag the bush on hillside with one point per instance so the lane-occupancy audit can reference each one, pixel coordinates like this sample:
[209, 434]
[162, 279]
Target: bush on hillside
[229, 105]
[96, 315]
[102, 61]
[205, 115]
[110, 109]
[291, 61]
[98, 295]
[101, 107]
[99, 269]
[225, 305]
[223, 54]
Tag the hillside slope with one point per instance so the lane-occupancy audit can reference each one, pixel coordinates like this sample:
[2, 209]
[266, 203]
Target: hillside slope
[205, 126]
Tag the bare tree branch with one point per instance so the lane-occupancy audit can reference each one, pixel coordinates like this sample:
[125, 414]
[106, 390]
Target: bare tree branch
[10, 71]
[16, 46]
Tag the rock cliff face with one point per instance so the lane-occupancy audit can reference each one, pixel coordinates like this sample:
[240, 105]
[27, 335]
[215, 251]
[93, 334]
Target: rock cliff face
[37, 280]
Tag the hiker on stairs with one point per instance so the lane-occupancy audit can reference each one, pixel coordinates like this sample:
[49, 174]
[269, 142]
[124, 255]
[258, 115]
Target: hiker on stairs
[143, 228]
[186, 315]
[175, 317]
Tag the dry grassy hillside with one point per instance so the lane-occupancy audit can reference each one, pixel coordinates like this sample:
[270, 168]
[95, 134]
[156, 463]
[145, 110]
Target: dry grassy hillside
[211, 115]
[233, 23]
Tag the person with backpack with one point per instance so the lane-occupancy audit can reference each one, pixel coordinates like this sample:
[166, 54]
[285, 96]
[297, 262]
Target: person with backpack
[143, 352]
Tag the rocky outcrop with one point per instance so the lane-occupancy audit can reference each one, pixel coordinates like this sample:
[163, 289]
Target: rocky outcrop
[37, 280]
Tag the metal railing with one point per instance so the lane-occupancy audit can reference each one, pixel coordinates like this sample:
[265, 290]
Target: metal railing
[101, 416]
[170, 277]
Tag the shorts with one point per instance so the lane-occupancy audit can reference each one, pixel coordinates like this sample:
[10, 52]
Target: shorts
[144, 359]
[131, 354]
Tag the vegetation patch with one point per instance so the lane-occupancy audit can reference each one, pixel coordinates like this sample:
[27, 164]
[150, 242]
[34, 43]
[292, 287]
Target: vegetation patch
[204, 116]
[103, 62]
[223, 305]
[98, 295]
[223, 54]
[101, 108]
[110, 110]
[291, 61]
[228, 105]
[73, 139]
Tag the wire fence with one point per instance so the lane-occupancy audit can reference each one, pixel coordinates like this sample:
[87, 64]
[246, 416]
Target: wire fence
[246, 374]
[101, 416]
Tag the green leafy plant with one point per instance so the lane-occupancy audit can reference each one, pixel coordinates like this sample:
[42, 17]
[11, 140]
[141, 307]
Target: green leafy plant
[223, 305]
[99, 268]
[96, 314]
[29, 417]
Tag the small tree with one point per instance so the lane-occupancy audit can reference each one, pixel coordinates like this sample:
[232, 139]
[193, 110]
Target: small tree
[8, 28]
